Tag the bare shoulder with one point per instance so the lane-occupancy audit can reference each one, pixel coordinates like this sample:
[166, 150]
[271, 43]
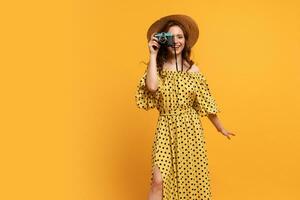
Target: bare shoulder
[195, 68]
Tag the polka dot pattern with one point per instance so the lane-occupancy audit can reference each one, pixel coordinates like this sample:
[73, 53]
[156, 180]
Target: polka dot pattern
[179, 147]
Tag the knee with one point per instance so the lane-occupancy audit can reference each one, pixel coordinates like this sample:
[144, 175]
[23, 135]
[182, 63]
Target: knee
[157, 185]
[157, 182]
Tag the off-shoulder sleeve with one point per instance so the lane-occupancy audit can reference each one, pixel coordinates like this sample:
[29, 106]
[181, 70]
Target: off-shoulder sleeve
[144, 98]
[204, 103]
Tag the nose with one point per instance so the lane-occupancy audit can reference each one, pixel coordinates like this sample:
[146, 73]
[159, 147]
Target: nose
[176, 40]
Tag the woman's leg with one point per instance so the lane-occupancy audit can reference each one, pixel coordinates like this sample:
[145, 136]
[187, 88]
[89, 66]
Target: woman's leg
[156, 189]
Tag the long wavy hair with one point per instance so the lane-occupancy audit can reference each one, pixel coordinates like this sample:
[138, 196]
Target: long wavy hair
[163, 50]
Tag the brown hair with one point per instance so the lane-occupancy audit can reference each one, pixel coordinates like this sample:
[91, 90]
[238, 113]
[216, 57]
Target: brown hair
[163, 51]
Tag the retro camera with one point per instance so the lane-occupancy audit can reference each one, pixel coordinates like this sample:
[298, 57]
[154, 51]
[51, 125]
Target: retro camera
[165, 39]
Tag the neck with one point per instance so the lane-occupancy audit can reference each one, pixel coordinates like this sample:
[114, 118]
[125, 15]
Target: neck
[171, 59]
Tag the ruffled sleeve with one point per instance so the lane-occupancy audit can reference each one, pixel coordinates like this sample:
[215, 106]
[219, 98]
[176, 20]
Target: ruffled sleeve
[144, 98]
[204, 103]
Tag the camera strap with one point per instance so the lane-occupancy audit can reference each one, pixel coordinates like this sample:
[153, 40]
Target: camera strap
[176, 60]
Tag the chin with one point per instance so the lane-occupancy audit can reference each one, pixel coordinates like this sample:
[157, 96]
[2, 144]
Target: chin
[179, 51]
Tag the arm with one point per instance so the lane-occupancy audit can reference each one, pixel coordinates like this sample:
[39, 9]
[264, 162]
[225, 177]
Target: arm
[217, 123]
[152, 78]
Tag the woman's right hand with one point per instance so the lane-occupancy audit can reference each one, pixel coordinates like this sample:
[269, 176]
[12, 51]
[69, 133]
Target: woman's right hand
[153, 45]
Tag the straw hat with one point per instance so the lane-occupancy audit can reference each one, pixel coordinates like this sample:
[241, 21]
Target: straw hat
[189, 24]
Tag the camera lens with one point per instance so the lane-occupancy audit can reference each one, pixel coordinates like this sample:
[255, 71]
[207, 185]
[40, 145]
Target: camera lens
[162, 39]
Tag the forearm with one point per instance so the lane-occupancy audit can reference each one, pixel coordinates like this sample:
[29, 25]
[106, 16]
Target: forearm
[215, 121]
[152, 78]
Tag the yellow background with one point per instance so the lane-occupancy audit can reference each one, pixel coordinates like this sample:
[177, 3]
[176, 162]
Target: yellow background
[70, 128]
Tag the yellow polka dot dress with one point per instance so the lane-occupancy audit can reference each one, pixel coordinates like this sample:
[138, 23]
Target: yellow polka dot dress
[179, 148]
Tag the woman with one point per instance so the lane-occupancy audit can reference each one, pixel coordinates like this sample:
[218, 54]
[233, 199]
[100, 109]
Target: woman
[179, 156]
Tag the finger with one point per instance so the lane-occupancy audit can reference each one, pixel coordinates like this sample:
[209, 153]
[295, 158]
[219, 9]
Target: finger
[153, 34]
[155, 47]
[155, 42]
[230, 133]
[154, 38]
[225, 135]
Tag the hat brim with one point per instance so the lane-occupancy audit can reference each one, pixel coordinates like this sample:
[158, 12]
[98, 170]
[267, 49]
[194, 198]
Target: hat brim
[189, 24]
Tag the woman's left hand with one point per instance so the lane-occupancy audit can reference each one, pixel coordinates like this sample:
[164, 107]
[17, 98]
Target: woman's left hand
[226, 133]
